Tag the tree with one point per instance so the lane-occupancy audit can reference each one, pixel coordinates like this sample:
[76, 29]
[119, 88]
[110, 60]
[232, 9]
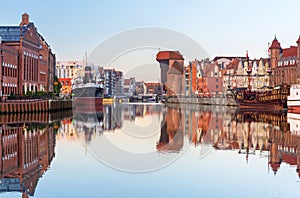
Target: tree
[57, 85]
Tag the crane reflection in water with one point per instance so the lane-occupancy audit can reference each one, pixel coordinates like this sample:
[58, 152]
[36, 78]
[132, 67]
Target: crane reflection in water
[266, 134]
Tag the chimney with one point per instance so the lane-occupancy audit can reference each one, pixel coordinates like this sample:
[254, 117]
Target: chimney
[25, 19]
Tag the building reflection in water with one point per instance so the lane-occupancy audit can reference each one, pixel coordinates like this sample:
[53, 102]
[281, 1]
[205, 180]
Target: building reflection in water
[267, 134]
[108, 119]
[27, 149]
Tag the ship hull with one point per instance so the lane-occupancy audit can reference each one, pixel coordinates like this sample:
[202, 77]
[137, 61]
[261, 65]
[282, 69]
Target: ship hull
[272, 100]
[294, 106]
[88, 104]
[90, 92]
[293, 100]
[262, 106]
[88, 99]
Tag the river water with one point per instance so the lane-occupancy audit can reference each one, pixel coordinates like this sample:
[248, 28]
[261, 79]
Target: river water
[151, 150]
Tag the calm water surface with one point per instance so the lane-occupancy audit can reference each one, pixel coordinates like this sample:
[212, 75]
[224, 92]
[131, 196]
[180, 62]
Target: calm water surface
[151, 151]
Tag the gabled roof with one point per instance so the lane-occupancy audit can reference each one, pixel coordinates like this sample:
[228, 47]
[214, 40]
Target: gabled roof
[233, 64]
[292, 51]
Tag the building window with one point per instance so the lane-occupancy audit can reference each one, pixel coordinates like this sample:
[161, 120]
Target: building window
[217, 79]
[217, 86]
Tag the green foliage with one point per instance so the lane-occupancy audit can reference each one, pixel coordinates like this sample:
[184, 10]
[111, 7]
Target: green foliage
[57, 85]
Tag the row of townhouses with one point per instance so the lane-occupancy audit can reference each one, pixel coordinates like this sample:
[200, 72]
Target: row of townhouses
[213, 77]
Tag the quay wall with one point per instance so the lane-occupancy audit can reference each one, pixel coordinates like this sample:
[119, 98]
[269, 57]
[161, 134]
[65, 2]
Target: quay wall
[203, 101]
[38, 117]
[34, 106]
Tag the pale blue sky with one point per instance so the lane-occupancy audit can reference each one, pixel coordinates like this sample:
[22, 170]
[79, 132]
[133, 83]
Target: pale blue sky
[228, 27]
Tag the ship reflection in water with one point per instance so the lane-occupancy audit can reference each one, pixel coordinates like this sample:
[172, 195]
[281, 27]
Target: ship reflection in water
[145, 137]
[266, 134]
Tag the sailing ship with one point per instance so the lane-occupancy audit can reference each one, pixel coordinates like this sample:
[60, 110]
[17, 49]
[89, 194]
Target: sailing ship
[87, 91]
[272, 99]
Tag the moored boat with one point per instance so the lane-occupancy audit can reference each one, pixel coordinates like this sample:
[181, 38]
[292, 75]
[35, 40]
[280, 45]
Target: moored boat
[87, 92]
[272, 99]
[293, 100]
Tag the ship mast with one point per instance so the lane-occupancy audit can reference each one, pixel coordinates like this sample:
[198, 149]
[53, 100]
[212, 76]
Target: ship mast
[249, 70]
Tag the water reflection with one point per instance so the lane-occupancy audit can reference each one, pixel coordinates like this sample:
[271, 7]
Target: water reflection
[266, 134]
[27, 149]
[144, 137]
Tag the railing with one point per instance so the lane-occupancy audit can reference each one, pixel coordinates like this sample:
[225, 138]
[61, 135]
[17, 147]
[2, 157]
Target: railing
[19, 98]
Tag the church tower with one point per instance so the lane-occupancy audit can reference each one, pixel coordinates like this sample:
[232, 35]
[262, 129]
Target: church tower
[275, 49]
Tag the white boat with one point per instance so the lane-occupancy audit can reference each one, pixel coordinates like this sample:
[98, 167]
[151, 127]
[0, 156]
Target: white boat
[294, 120]
[293, 100]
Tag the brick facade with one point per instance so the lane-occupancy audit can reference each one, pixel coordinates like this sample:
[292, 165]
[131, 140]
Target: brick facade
[285, 63]
[172, 72]
[9, 70]
[35, 60]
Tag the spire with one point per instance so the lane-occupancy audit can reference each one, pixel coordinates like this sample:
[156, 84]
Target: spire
[298, 41]
[275, 44]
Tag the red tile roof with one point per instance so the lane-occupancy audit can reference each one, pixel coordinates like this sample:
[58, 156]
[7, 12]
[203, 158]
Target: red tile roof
[166, 55]
[275, 44]
[291, 159]
[292, 51]
[233, 64]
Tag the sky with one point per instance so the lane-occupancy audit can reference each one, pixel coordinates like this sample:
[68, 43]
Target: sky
[220, 27]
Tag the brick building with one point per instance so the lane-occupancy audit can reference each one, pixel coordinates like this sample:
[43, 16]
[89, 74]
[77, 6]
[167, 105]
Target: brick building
[9, 70]
[172, 72]
[35, 67]
[26, 153]
[46, 69]
[285, 64]
[212, 78]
